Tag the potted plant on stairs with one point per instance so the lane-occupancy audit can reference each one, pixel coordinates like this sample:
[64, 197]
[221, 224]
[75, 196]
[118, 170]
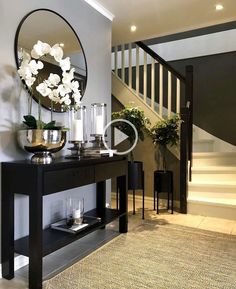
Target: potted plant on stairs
[164, 133]
[136, 117]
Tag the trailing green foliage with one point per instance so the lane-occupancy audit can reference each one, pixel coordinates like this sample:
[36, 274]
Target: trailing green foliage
[31, 123]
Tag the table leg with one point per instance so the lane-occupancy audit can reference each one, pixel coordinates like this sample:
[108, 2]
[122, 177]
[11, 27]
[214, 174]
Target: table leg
[101, 198]
[35, 241]
[143, 183]
[123, 221]
[7, 234]
[133, 202]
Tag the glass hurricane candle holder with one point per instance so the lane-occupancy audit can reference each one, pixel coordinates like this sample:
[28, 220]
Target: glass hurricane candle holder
[98, 118]
[74, 211]
[77, 133]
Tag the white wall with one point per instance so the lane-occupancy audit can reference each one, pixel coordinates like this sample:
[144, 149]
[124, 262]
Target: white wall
[94, 31]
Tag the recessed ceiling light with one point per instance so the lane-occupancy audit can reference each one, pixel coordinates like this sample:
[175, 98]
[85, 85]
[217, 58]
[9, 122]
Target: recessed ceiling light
[62, 44]
[133, 28]
[219, 7]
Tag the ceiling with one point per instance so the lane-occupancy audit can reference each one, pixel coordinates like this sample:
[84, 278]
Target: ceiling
[155, 18]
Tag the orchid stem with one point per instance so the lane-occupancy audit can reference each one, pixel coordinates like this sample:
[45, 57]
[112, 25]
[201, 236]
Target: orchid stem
[39, 113]
[51, 110]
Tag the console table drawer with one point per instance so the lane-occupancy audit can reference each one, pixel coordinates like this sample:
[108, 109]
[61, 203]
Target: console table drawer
[60, 180]
[110, 170]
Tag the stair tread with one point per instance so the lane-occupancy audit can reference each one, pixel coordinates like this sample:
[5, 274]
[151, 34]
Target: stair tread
[203, 141]
[214, 154]
[213, 183]
[218, 201]
[214, 168]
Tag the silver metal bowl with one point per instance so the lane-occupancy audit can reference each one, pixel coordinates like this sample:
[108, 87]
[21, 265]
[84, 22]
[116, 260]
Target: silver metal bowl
[42, 143]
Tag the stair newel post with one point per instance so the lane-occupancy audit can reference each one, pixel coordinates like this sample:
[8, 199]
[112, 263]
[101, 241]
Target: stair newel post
[184, 114]
[189, 101]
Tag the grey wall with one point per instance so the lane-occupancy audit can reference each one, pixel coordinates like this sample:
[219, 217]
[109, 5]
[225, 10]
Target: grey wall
[211, 51]
[214, 93]
[94, 31]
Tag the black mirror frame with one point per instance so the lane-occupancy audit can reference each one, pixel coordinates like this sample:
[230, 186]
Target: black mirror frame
[16, 49]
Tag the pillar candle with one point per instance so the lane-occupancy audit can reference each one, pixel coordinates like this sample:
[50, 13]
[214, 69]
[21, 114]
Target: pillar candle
[99, 124]
[77, 128]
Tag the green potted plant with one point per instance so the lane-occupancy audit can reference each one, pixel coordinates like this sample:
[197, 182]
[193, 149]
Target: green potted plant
[164, 133]
[135, 116]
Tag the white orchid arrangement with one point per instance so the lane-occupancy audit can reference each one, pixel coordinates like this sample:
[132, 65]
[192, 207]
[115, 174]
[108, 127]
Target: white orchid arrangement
[59, 90]
[63, 90]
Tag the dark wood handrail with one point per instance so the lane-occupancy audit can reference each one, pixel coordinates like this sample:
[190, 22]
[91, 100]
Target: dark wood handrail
[161, 60]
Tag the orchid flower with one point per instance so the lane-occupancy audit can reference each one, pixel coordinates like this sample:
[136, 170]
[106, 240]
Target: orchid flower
[65, 64]
[67, 77]
[53, 95]
[40, 49]
[66, 99]
[43, 89]
[63, 89]
[77, 97]
[57, 89]
[57, 52]
[53, 80]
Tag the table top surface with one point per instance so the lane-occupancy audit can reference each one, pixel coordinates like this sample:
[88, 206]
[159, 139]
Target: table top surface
[69, 161]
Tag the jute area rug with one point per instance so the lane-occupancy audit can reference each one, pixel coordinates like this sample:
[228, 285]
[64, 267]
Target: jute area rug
[154, 256]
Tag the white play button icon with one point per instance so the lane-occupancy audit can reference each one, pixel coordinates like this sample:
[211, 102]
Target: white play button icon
[119, 136]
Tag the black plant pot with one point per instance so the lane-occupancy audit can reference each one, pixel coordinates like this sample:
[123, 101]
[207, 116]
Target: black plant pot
[135, 175]
[163, 183]
[136, 180]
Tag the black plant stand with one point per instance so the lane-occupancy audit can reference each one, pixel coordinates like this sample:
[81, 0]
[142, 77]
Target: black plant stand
[163, 183]
[135, 182]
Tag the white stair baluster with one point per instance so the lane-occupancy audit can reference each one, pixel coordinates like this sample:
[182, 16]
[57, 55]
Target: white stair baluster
[130, 65]
[123, 62]
[144, 76]
[169, 93]
[115, 60]
[177, 96]
[160, 89]
[137, 70]
[153, 84]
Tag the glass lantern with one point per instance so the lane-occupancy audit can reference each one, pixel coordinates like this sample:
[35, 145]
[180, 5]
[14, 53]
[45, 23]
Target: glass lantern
[77, 126]
[98, 119]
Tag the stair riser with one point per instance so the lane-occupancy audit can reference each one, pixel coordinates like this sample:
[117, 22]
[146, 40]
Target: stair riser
[203, 146]
[214, 161]
[212, 188]
[213, 177]
[212, 210]
[211, 195]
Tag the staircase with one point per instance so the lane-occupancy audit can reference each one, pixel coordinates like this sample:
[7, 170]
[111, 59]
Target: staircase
[168, 93]
[212, 191]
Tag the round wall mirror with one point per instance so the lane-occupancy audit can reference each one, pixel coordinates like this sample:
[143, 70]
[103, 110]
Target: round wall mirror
[47, 26]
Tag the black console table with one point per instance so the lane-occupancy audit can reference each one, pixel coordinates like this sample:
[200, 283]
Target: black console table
[36, 181]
